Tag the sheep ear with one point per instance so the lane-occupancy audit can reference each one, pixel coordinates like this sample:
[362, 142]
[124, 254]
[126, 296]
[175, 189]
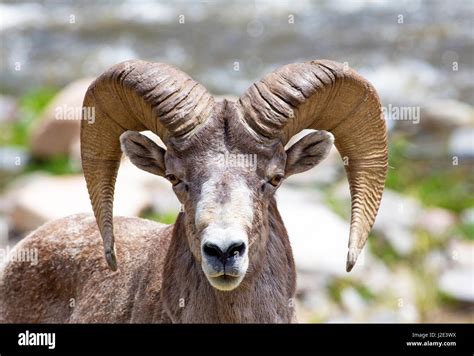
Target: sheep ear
[143, 152]
[308, 152]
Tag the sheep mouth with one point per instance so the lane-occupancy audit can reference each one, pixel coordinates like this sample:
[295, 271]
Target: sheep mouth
[225, 277]
[225, 282]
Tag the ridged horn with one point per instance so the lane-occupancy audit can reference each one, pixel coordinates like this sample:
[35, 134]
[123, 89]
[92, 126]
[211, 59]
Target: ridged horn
[133, 95]
[326, 95]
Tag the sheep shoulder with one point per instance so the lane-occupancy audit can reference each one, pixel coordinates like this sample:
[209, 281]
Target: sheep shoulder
[67, 279]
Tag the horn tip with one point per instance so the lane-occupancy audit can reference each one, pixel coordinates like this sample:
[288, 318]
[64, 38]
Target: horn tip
[111, 259]
[352, 256]
[349, 266]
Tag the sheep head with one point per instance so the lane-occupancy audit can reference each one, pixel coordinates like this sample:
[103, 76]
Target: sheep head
[226, 160]
[225, 181]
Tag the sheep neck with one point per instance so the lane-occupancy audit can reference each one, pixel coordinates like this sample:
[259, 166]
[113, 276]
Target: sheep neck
[265, 295]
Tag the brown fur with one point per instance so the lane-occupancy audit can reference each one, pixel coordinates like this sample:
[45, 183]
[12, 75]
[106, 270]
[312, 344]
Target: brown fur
[158, 280]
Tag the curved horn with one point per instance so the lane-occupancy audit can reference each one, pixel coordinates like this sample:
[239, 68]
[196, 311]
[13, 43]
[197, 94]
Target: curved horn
[327, 95]
[133, 95]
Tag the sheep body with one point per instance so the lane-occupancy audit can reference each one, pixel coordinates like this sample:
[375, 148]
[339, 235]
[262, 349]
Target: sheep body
[71, 282]
[158, 280]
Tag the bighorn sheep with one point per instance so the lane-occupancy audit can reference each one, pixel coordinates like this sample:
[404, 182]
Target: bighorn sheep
[227, 258]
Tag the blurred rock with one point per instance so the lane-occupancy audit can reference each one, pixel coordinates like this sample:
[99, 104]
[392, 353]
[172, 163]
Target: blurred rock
[458, 283]
[394, 78]
[397, 216]
[384, 316]
[12, 159]
[436, 221]
[402, 240]
[435, 261]
[353, 302]
[461, 253]
[403, 286]
[8, 109]
[57, 130]
[319, 303]
[317, 235]
[397, 210]
[408, 313]
[446, 114]
[461, 142]
[66, 195]
[377, 278]
[391, 287]
[308, 282]
[341, 319]
[4, 227]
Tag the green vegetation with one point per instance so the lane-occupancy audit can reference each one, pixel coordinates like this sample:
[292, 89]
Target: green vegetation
[466, 230]
[57, 166]
[336, 205]
[168, 218]
[31, 105]
[17, 133]
[424, 243]
[447, 300]
[426, 292]
[337, 286]
[383, 250]
[435, 182]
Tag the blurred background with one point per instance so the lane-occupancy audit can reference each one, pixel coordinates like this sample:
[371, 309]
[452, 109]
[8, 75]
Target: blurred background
[418, 265]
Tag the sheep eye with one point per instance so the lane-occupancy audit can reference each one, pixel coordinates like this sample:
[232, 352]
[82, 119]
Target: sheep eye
[173, 179]
[276, 180]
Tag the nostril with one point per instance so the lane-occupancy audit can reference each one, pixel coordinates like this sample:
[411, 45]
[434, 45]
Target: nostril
[236, 250]
[212, 250]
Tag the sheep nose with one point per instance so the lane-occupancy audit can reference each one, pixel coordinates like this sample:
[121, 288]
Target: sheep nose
[211, 250]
